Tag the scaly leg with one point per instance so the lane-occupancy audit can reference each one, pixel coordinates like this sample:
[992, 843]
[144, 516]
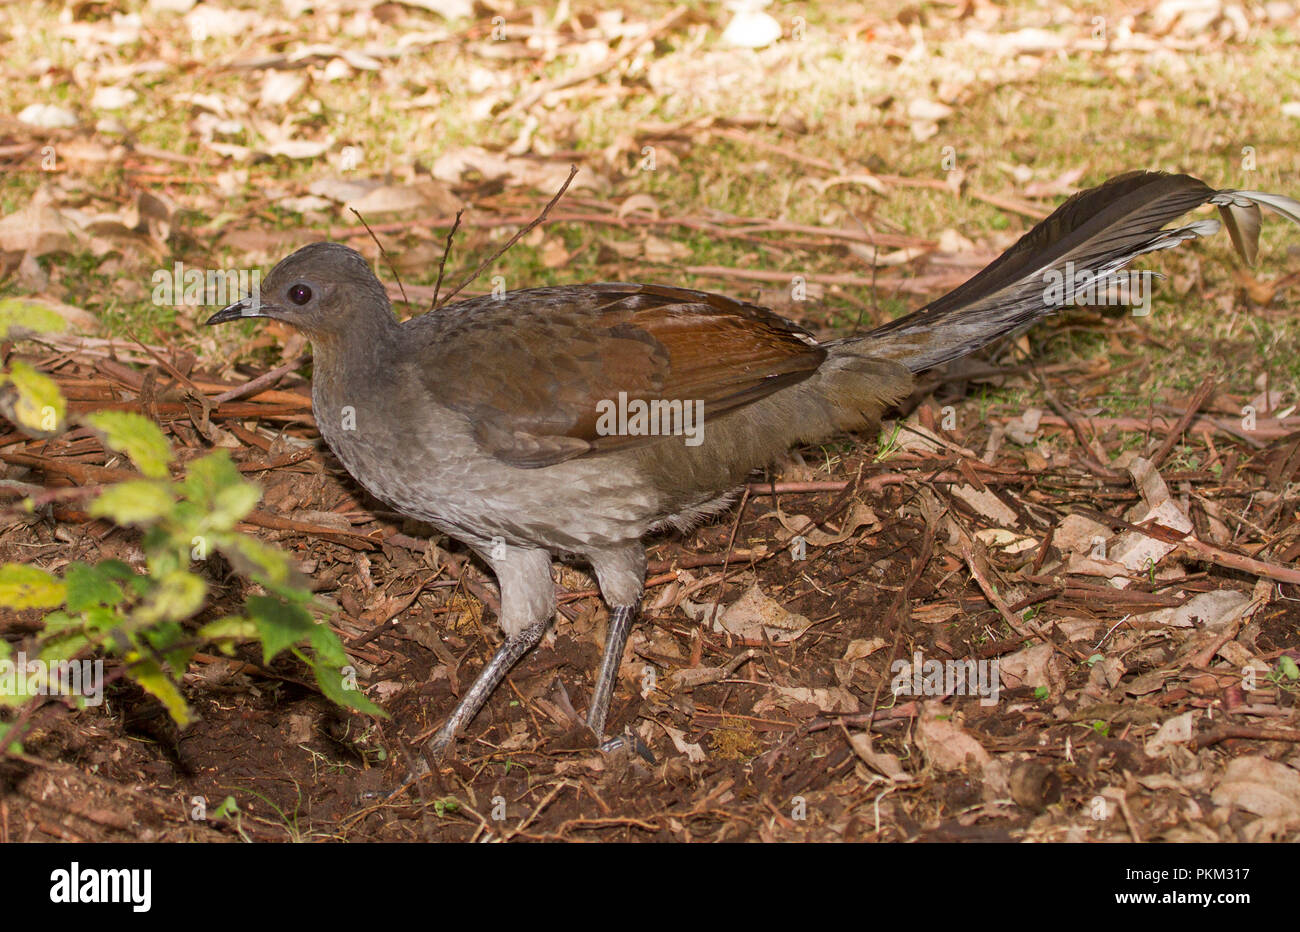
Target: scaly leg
[507, 654]
[620, 626]
[621, 573]
[527, 605]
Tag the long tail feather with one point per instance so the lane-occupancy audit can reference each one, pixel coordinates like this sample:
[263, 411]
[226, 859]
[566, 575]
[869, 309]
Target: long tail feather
[1098, 231]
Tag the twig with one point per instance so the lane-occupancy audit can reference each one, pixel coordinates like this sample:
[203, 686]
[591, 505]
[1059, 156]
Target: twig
[537, 810]
[39, 496]
[265, 380]
[1248, 732]
[1201, 395]
[1236, 561]
[1267, 429]
[573, 170]
[1212, 554]
[383, 252]
[726, 563]
[762, 275]
[1088, 455]
[974, 561]
[730, 227]
[777, 488]
[442, 263]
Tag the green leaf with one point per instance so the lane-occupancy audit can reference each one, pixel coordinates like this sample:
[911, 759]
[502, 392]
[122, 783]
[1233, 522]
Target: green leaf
[331, 682]
[279, 624]
[229, 807]
[168, 638]
[37, 406]
[232, 627]
[23, 586]
[266, 565]
[135, 501]
[90, 587]
[215, 485]
[227, 632]
[327, 647]
[149, 674]
[59, 621]
[122, 572]
[100, 618]
[233, 503]
[178, 595]
[18, 315]
[137, 437]
[1288, 667]
[63, 647]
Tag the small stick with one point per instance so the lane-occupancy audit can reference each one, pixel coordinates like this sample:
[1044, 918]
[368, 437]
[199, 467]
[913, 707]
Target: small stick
[265, 380]
[573, 170]
[1211, 554]
[1244, 732]
[383, 252]
[974, 558]
[442, 263]
[726, 562]
[1236, 561]
[1088, 455]
[1199, 397]
[776, 488]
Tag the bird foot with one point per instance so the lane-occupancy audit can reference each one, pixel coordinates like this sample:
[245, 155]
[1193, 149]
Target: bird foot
[628, 741]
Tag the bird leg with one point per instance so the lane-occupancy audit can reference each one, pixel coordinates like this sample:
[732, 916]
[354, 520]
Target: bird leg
[507, 654]
[621, 573]
[527, 605]
[620, 625]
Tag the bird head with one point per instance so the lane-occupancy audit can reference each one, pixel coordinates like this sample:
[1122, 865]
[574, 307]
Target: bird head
[325, 290]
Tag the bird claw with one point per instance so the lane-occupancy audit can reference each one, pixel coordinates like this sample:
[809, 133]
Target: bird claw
[630, 741]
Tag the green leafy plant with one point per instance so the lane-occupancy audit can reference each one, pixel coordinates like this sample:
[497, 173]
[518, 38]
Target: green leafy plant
[888, 444]
[28, 398]
[139, 617]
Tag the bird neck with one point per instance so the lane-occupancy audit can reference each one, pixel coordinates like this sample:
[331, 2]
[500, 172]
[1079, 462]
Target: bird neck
[358, 351]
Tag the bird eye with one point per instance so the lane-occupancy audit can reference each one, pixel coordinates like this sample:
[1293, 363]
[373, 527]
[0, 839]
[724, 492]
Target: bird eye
[300, 294]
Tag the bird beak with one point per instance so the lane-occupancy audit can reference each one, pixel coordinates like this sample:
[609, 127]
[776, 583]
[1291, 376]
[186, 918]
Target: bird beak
[248, 307]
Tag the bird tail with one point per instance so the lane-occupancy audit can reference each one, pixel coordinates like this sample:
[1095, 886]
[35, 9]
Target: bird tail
[1099, 232]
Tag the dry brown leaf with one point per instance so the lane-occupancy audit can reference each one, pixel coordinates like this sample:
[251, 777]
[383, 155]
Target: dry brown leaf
[1004, 540]
[859, 516]
[1135, 550]
[1173, 733]
[1212, 611]
[946, 746]
[1032, 666]
[1079, 534]
[1261, 786]
[752, 615]
[880, 761]
[831, 699]
[694, 753]
[986, 504]
[37, 229]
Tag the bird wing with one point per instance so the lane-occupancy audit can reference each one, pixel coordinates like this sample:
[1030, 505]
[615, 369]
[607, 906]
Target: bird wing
[541, 374]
